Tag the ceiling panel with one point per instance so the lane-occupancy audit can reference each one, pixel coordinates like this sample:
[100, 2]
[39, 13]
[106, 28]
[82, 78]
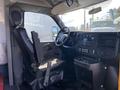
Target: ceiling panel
[42, 3]
[63, 7]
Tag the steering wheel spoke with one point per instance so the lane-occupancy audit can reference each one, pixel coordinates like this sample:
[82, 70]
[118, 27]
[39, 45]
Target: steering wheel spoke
[62, 36]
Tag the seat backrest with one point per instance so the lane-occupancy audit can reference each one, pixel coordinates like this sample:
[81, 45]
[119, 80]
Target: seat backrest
[38, 48]
[24, 42]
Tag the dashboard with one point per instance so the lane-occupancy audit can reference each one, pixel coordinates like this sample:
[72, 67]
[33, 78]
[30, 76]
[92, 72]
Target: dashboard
[98, 45]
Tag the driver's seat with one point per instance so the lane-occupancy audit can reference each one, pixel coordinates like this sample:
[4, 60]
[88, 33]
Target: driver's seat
[32, 74]
[25, 52]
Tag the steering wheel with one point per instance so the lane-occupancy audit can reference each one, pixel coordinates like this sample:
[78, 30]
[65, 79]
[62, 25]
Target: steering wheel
[62, 36]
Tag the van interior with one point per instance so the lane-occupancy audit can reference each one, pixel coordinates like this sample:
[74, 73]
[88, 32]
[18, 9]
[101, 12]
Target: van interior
[60, 44]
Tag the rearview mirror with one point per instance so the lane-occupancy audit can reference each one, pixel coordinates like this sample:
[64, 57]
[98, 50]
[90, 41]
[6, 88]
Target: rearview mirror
[95, 10]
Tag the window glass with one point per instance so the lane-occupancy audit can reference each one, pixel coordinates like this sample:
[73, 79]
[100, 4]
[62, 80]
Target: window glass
[44, 25]
[107, 20]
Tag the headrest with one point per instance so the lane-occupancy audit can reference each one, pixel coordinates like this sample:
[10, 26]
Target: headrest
[16, 16]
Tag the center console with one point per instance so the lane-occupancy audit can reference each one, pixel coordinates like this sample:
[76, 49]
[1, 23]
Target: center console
[90, 75]
[95, 53]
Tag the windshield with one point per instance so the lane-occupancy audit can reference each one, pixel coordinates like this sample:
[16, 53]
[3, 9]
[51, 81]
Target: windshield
[107, 20]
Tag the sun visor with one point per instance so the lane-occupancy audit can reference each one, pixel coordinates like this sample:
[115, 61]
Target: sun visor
[64, 8]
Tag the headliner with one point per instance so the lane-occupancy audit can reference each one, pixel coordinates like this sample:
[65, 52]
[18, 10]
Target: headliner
[55, 6]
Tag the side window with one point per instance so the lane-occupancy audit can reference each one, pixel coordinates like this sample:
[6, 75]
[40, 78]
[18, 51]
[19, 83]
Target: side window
[44, 25]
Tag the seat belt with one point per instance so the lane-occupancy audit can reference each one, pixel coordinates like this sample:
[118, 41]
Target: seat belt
[39, 53]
